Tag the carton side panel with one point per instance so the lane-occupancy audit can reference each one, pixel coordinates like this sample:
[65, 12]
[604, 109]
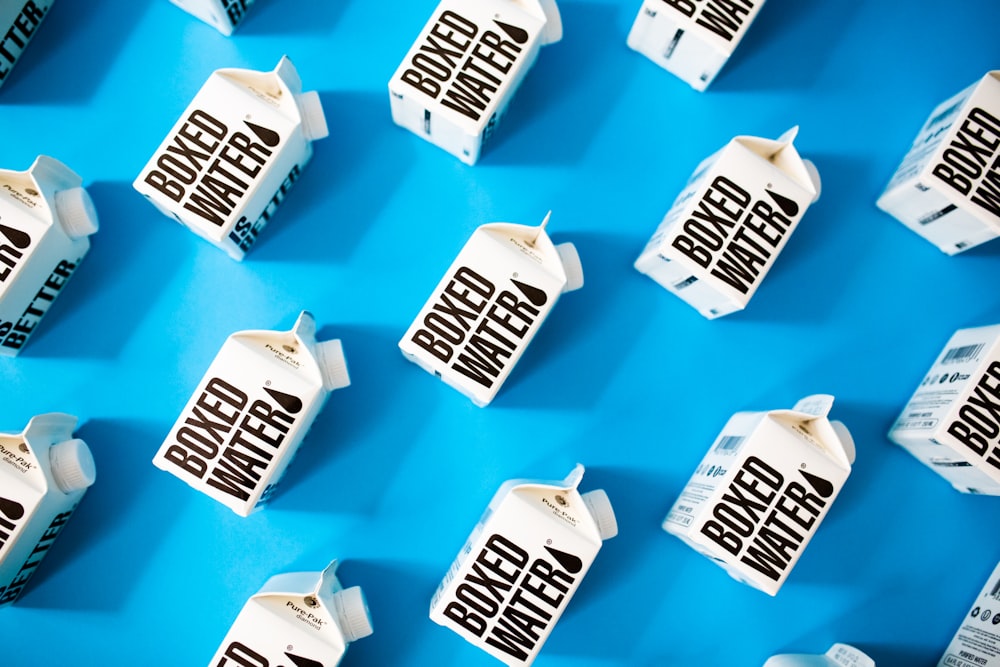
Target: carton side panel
[934, 215]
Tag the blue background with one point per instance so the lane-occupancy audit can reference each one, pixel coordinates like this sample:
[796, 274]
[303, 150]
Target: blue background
[623, 376]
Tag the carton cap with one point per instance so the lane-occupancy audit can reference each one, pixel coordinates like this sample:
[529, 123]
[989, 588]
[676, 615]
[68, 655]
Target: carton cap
[352, 613]
[553, 30]
[570, 259]
[814, 177]
[848, 654]
[599, 505]
[72, 465]
[846, 439]
[332, 365]
[313, 119]
[75, 211]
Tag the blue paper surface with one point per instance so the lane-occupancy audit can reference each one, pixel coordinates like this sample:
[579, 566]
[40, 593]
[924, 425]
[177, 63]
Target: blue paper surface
[623, 376]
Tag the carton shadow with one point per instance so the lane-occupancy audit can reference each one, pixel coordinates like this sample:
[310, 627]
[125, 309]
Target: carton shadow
[783, 28]
[344, 186]
[806, 281]
[576, 350]
[102, 531]
[398, 595]
[274, 17]
[554, 115]
[95, 299]
[62, 56]
[349, 429]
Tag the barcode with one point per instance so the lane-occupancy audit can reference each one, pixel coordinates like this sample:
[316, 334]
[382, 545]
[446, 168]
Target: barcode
[931, 217]
[996, 590]
[690, 280]
[729, 443]
[962, 353]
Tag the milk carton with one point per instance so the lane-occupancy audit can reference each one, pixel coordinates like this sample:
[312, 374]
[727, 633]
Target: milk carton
[234, 154]
[250, 412]
[728, 225]
[223, 15]
[947, 188]
[46, 219]
[300, 619]
[521, 565]
[489, 305]
[977, 642]
[455, 83]
[952, 421]
[691, 39]
[44, 473]
[839, 655]
[19, 20]
[763, 489]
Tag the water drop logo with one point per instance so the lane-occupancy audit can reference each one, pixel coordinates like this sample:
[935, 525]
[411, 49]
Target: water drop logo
[291, 404]
[268, 137]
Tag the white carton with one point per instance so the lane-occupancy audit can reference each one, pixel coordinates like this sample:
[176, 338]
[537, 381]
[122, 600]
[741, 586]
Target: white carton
[839, 655]
[952, 421]
[460, 75]
[521, 565]
[234, 154]
[730, 222]
[763, 489]
[223, 15]
[19, 21]
[44, 473]
[46, 219]
[947, 188]
[977, 642]
[489, 305]
[691, 39]
[251, 411]
[299, 619]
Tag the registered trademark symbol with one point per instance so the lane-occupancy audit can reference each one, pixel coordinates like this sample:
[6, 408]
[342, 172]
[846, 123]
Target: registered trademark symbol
[515, 275]
[267, 383]
[802, 467]
[290, 648]
[548, 541]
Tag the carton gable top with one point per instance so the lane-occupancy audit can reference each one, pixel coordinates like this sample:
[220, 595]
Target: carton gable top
[808, 422]
[279, 87]
[311, 592]
[534, 242]
[46, 177]
[38, 436]
[533, 492]
[782, 154]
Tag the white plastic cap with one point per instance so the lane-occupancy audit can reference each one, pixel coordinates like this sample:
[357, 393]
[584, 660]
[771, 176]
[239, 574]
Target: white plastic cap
[352, 613]
[332, 365]
[570, 259]
[72, 465]
[553, 31]
[846, 439]
[814, 177]
[313, 119]
[599, 504]
[75, 211]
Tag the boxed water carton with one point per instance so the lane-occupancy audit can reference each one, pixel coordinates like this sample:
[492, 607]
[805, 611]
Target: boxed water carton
[299, 619]
[460, 75]
[234, 154]
[245, 421]
[839, 655]
[763, 489]
[44, 473]
[521, 565]
[19, 21]
[489, 305]
[46, 219]
[223, 15]
[727, 227]
[947, 188]
[691, 39]
[977, 642]
[952, 421]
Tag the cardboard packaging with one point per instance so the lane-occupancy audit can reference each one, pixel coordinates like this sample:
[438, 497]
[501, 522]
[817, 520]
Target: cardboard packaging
[300, 619]
[46, 219]
[489, 305]
[951, 422]
[234, 154]
[223, 15]
[521, 565]
[691, 39]
[763, 489]
[839, 655]
[460, 75]
[19, 21]
[44, 473]
[730, 222]
[977, 642]
[245, 421]
[947, 188]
